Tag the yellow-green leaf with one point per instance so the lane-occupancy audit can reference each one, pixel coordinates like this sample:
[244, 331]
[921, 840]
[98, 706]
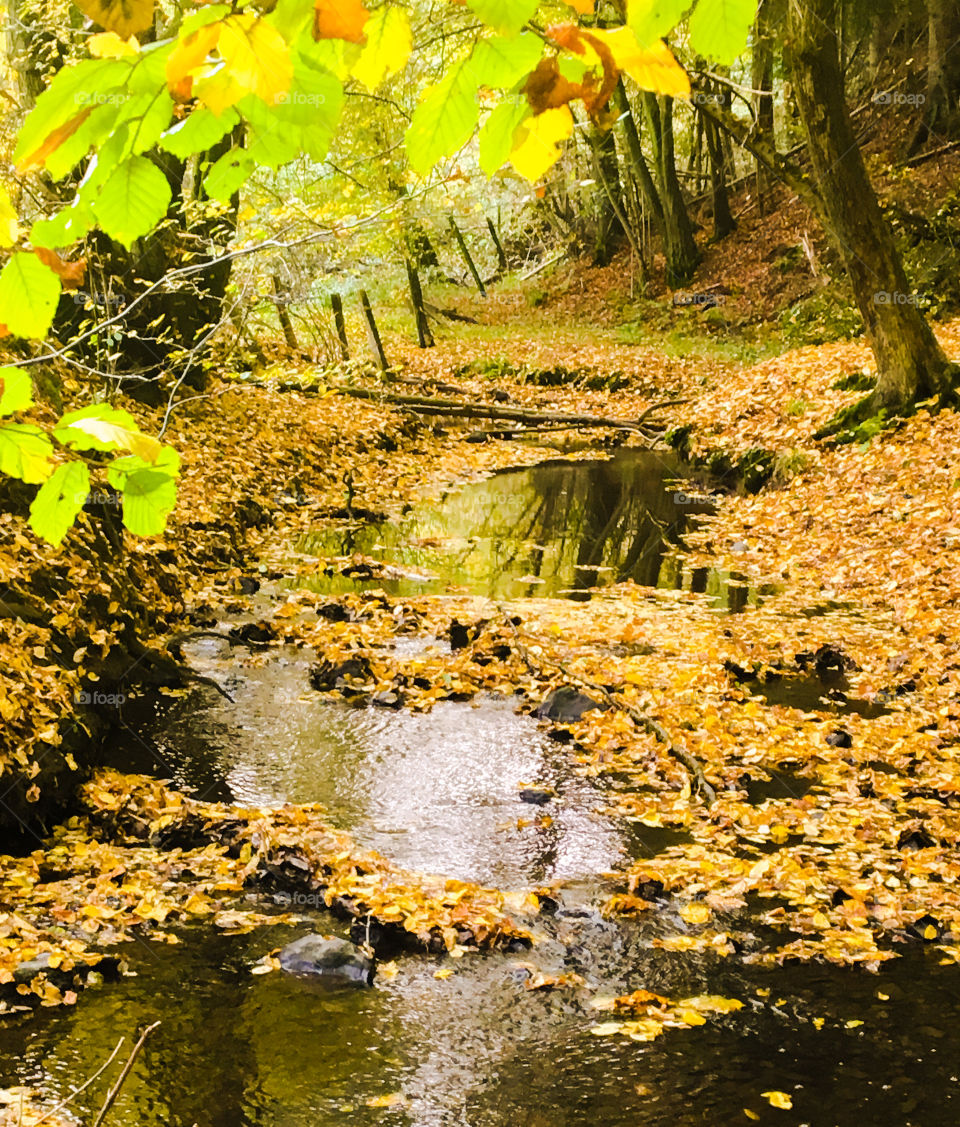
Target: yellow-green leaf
[256, 56]
[541, 137]
[389, 42]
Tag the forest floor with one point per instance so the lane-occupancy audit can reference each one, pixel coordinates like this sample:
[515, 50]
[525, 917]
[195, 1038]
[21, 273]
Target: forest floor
[855, 544]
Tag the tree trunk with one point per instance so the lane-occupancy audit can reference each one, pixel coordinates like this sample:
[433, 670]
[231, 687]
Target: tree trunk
[679, 245]
[762, 82]
[610, 232]
[910, 362]
[723, 221]
[941, 113]
[636, 161]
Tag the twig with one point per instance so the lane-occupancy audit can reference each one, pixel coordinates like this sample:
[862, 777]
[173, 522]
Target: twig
[76, 1092]
[124, 1073]
[650, 725]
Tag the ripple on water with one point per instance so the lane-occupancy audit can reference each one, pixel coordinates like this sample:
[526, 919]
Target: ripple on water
[437, 791]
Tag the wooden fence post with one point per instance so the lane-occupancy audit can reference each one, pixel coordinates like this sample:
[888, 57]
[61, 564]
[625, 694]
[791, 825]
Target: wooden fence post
[501, 253]
[424, 335]
[376, 345]
[336, 304]
[466, 255]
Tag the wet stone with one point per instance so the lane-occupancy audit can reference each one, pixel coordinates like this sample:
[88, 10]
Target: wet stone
[568, 705]
[337, 961]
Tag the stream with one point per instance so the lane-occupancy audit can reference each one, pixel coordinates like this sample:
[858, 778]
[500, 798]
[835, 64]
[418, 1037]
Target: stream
[440, 792]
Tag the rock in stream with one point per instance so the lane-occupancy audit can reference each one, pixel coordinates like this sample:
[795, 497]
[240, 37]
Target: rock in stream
[337, 961]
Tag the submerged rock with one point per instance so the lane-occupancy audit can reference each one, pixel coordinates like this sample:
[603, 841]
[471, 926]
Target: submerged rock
[338, 961]
[568, 704]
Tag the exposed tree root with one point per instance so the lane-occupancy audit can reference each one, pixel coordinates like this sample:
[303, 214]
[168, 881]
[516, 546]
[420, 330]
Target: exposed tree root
[641, 719]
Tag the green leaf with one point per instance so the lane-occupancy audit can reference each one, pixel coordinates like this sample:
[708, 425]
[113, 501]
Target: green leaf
[98, 126]
[500, 63]
[58, 502]
[149, 491]
[105, 428]
[132, 201]
[64, 228]
[25, 452]
[507, 16]
[304, 119]
[228, 174]
[496, 136]
[444, 120]
[198, 132]
[143, 119]
[268, 142]
[16, 390]
[72, 89]
[29, 292]
[719, 29]
[650, 20]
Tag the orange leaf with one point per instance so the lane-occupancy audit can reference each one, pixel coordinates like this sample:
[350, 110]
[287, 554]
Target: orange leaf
[547, 89]
[54, 140]
[340, 19]
[188, 55]
[71, 274]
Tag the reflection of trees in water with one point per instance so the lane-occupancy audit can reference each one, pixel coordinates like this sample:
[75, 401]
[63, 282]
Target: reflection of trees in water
[569, 524]
[609, 520]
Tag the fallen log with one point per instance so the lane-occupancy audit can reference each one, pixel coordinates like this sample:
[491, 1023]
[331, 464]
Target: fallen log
[456, 408]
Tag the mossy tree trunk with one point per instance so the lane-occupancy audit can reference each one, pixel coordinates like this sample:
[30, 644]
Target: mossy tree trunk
[679, 245]
[910, 362]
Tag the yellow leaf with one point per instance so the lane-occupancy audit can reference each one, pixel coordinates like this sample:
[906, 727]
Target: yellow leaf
[750, 1114]
[125, 17]
[256, 56]
[218, 91]
[689, 1017]
[538, 151]
[140, 444]
[778, 1099]
[109, 45]
[9, 228]
[389, 43]
[651, 68]
[712, 1004]
[695, 913]
[444, 972]
[584, 7]
[186, 58]
[607, 1028]
[395, 1099]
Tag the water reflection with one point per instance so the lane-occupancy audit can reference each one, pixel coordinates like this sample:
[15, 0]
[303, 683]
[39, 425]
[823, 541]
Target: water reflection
[553, 529]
